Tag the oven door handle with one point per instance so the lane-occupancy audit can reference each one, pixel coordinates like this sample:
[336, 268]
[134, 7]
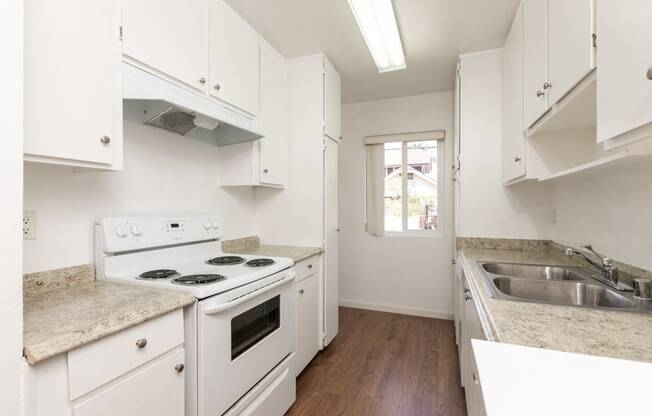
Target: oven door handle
[210, 310]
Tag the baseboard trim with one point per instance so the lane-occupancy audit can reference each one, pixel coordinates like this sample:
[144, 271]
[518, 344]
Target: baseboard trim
[396, 309]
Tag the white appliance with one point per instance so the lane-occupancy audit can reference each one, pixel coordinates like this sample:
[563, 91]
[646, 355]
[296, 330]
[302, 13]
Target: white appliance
[240, 334]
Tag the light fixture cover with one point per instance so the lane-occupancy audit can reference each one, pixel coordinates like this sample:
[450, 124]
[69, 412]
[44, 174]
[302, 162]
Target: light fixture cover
[378, 25]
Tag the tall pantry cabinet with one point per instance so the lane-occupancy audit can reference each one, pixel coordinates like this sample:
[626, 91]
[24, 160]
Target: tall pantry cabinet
[310, 198]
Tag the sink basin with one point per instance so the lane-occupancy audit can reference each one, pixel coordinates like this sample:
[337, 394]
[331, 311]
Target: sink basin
[558, 285]
[529, 271]
[563, 293]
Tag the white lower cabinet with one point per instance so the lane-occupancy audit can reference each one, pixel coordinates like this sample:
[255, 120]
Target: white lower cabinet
[158, 390]
[135, 372]
[307, 291]
[471, 328]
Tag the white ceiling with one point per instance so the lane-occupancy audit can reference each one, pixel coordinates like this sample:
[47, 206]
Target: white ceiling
[434, 32]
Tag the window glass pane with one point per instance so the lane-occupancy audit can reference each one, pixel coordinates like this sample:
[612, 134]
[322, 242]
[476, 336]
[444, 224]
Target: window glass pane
[422, 185]
[393, 187]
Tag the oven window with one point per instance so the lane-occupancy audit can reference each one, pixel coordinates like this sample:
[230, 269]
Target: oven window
[250, 327]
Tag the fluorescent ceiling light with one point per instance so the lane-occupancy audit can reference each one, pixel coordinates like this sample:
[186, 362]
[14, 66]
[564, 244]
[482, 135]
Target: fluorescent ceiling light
[378, 26]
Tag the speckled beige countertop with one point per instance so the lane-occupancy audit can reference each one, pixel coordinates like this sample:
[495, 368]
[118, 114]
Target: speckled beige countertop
[251, 245]
[581, 330]
[66, 308]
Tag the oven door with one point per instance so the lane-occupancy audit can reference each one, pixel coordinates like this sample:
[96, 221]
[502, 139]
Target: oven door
[242, 336]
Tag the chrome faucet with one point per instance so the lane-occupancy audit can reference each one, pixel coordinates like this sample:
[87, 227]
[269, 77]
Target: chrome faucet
[607, 266]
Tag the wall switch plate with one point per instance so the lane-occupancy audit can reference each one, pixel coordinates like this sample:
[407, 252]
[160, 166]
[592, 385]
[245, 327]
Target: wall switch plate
[29, 225]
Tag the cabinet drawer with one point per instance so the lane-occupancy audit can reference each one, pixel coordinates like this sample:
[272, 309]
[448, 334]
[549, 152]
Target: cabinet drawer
[307, 267]
[106, 359]
[156, 390]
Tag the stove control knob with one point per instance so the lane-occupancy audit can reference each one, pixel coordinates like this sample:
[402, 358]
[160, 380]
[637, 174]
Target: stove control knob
[207, 225]
[121, 231]
[215, 224]
[136, 230]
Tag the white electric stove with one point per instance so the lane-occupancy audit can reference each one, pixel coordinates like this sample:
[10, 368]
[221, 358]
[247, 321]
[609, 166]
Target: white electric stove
[240, 334]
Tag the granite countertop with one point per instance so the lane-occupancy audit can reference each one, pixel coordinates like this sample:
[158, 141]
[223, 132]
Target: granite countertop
[251, 245]
[613, 334]
[67, 308]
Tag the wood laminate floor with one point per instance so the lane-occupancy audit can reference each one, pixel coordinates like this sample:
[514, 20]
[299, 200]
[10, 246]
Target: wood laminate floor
[384, 364]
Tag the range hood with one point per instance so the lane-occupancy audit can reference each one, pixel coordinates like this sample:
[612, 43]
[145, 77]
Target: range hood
[176, 109]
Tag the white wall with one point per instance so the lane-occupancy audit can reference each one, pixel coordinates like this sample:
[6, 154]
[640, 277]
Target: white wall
[155, 180]
[614, 214]
[405, 274]
[487, 208]
[11, 184]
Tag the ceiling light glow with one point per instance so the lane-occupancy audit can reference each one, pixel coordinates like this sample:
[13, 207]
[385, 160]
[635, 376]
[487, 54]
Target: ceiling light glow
[377, 23]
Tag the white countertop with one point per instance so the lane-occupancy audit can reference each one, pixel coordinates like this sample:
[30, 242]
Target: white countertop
[518, 380]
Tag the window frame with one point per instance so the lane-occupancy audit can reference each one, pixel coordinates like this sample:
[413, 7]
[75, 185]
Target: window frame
[405, 232]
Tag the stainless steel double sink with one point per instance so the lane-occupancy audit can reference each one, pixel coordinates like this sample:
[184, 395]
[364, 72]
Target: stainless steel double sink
[558, 285]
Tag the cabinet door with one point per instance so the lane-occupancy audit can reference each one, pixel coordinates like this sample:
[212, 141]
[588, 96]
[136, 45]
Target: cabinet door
[332, 102]
[234, 58]
[513, 143]
[570, 44]
[535, 37]
[307, 321]
[156, 390]
[624, 89]
[273, 117]
[73, 94]
[170, 36]
[331, 243]
[472, 330]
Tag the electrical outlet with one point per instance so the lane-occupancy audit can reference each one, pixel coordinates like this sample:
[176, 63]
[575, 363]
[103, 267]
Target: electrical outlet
[29, 225]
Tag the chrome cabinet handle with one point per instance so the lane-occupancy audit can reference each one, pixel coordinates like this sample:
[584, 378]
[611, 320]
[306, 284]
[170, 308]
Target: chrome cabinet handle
[540, 93]
[649, 73]
[202, 80]
[547, 85]
[310, 266]
[475, 378]
[265, 170]
[467, 296]
[217, 87]
[301, 291]
[141, 343]
[179, 367]
[517, 159]
[105, 139]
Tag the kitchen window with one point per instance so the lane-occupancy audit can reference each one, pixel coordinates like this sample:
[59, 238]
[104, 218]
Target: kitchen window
[404, 174]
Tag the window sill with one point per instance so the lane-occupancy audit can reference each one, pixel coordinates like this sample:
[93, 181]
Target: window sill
[415, 233]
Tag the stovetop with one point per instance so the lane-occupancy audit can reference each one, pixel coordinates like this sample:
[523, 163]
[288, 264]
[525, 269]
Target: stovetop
[187, 268]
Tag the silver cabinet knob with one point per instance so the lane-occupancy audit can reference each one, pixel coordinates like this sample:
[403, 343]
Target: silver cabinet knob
[517, 159]
[649, 73]
[265, 170]
[310, 266]
[301, 291]
[547, 85]
[217, 87]
[141, 343]
[540, 93]
[202, 80]
[179, 367]
[105, 139]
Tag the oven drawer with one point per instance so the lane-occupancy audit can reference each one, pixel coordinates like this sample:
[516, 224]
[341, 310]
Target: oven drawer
[307, 267]
[272, 396]
[108, 358]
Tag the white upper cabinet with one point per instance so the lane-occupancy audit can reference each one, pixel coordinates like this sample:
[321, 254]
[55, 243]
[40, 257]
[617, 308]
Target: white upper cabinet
[273, 117]
[570, 44]
[624, 56]
[73, 94]
[170, 36]
[513, 143]
[558, 42]
[535, 22]
[234, 58]
[332, 102]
